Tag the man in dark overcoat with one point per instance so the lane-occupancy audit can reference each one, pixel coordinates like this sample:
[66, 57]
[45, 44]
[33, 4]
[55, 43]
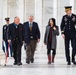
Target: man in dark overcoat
[15, 31]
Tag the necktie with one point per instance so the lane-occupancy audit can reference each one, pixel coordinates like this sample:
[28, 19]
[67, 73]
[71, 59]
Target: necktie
[30, 26]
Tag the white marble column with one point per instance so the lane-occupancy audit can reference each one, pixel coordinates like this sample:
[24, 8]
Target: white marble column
[4, 10]
[1, 20]
[60, 13]
[29, 8]
[47, 11]
[15, 8]
[74, 6]
[55, 7]
[20, 9]
[12, 9]
[39, 20]
[3, 14]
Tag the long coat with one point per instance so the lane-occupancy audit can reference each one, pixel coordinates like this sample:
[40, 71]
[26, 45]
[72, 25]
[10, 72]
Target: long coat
[35, 32]
[12, 35]
[54, 34]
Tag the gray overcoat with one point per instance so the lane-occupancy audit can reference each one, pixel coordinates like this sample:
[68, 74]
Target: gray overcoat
[54, 34]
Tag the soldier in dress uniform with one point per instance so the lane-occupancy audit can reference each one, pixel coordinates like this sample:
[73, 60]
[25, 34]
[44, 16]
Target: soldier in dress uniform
[68, 33]
[5, 29]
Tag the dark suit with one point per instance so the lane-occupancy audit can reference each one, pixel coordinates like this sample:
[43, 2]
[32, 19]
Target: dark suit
[68, 29]
[31, 42]
[5, 33]
[16, 33]
[35, 31]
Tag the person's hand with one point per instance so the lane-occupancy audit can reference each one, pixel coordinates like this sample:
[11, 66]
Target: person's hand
[38, 40]
[54, 28]
[2, 40]
[9, 41]
[23, 41]
[63, 36]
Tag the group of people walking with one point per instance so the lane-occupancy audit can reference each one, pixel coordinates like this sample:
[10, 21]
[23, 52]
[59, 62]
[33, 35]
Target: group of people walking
[17, 34]
[29, 33]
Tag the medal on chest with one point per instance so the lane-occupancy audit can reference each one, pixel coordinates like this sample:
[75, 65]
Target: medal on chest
[65, 19]
[73, 19]
[4, 27]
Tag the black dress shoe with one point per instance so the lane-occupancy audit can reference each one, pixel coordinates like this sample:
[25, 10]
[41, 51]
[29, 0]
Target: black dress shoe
[19, 63]
[32, 61]
[69, 63]
[74, 62]
[4, 64]
[27, 62]
[15, 63]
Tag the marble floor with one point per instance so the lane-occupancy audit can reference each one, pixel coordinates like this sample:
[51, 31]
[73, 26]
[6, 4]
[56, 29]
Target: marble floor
[39, 67]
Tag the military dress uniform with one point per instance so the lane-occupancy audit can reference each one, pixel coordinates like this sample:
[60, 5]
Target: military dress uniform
[5, 33]
[68, 29]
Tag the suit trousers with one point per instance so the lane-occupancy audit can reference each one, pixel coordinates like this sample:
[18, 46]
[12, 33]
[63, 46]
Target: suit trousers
[30, 50]
[16, 47]
[67, 51]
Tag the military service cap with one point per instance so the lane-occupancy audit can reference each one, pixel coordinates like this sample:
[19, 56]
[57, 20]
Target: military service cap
[68, 8]
[7, 18]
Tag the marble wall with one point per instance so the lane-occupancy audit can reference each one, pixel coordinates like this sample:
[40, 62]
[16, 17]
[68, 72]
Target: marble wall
[1, 22]
[74, 6]
[3, 14]
[39, 19]
[15, 8]
[29, 8]
[60, 13]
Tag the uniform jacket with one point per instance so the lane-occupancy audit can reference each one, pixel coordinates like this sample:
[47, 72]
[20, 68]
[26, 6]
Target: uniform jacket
[5, 29]
[68, 25]
[54, 34]
[35, 31]
[11, 32]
